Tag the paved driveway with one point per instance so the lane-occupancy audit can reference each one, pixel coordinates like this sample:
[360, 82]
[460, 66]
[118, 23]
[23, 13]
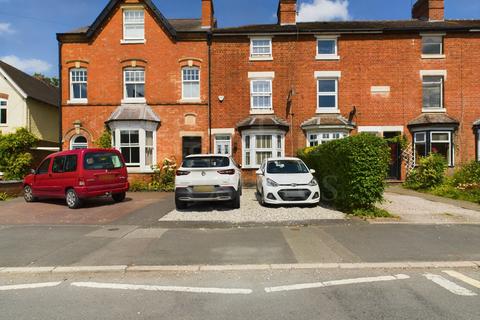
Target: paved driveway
[95, 211]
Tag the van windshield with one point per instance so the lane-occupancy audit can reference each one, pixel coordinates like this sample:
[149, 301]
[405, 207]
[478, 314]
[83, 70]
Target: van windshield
[102, 161]
[206, 162]
[286, 167]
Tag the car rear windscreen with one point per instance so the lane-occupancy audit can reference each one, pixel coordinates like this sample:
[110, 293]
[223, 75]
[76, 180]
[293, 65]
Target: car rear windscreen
[206, 162]
[102, 161]
[286, 167]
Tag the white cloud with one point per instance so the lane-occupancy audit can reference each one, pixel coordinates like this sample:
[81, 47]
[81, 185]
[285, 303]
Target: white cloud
[5, 28]
[27, 65]
[324, 10]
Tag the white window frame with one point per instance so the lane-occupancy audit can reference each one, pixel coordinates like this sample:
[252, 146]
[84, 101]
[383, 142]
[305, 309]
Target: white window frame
[321, 139]
[333, 56]
[5, 107]
[133, 100]
[261, 110]
[198, 82]
[142, 127]
[415, 142]
[442, 92]
[72, 82]
[263, 56]
[326, 94]
[140, 39]
[440, 55]
[224, 143]
[276, 151]
[79, 145]
[449, 142]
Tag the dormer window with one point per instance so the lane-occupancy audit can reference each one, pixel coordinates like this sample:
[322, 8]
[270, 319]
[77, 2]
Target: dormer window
[133, 26]
[432, 46]
[261, 48]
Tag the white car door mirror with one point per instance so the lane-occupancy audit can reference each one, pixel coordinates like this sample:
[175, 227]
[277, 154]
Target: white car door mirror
[312, 171]
[259, 173]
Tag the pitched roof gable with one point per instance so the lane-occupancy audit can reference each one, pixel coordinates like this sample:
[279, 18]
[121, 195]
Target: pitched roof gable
[32, 87]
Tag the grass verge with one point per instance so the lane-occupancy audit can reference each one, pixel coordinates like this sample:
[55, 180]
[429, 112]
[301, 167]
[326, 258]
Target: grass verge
[372, 213]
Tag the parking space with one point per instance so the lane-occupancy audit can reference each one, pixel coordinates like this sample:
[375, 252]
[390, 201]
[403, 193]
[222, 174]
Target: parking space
[97, 211]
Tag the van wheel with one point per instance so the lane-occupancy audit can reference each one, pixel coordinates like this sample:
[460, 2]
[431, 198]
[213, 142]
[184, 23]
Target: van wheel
[180, 205]
[73, 201]
[235, 204]
[119, 197]
[28, 194]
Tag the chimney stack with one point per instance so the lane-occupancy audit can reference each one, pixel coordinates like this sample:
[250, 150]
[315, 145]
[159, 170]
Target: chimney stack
[208, 14]
[287, 12]
[430, 10]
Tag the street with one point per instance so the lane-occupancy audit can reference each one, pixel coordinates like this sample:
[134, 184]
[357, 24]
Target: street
[293, 294]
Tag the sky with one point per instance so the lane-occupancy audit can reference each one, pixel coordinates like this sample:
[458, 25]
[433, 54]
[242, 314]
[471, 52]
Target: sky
[28, 27]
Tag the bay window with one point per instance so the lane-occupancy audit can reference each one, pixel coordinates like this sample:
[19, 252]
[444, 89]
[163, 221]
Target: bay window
[318, 138]
[261, 145]
[439, 142]
[130, 147]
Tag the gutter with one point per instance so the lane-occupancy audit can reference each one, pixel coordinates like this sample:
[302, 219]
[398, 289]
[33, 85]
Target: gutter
[60, 129]
[209, 44]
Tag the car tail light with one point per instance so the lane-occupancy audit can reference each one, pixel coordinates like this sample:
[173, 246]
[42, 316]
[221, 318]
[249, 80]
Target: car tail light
[182, 173]
[230, 172]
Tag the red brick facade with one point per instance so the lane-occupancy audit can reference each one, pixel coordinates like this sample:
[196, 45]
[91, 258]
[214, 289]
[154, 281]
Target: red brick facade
[379, 74]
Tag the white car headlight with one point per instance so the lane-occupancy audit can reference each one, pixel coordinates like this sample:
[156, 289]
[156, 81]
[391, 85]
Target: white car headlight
[271, 183]
[313, 183]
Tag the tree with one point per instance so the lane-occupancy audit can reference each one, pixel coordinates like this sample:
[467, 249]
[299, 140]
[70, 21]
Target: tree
[53, 81]
[15, 156]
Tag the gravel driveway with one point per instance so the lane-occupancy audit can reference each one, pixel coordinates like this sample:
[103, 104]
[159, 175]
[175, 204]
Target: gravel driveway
[412, 209]
[251, 212]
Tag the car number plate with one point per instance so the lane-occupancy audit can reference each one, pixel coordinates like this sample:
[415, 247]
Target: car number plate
[294, 193]
[203, 189]
[106, 178]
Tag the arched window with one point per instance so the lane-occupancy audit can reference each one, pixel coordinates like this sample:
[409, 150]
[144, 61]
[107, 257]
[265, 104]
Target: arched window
[78, 142]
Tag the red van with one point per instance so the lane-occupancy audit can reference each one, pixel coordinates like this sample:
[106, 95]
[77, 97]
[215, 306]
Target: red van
[78, 174]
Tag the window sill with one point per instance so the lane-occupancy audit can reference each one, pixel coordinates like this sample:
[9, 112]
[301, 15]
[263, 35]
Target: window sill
[262, 111]
[139, 170]
[433, 56]
[430, 110]
[134, 101]
[266, 58]
[193, 101]
[77, 101]
[123, 41]
[251, 167]
[327, 57]
[322, 111]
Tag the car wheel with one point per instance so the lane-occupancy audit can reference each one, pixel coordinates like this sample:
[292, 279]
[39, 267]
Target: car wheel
[72, 199]
[235, 204]
[261, 199]
[180, 205]
[119, 197]
[28, 194]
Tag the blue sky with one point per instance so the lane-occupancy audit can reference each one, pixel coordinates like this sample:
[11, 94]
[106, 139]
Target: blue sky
[28, 27]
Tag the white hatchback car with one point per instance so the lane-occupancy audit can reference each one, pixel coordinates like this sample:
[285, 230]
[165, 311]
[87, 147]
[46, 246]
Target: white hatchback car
[287, 181]
[203, 178]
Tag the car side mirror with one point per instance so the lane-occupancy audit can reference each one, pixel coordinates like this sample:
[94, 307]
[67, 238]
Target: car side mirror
[312, 171]
[239, 166]
[259, 173]
[33, 171]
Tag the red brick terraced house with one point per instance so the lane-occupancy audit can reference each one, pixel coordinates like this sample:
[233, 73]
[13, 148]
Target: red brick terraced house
[174, 87]
[143, 76]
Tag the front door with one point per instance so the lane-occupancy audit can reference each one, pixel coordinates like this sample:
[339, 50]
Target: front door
[191, 145]
[394, 169]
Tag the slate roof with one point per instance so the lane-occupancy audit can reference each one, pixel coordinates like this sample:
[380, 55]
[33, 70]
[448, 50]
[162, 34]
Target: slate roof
[356, 26]
[33, 88]
[128, 112]
[263, 121]
[433, 119]
[327, 121]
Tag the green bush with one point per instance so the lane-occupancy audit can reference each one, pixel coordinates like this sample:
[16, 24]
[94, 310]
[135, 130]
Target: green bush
[372, 213]
[15, 156]
[429, 173]
[3, 196]
[351, 171]
[468, 174]
[105, 140]
[163, 179]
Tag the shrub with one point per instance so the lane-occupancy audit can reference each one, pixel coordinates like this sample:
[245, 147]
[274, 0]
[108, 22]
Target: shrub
[468, 174]
[3, 196]
[15, 156]
[105, 140]
[371, 213]
[163, 178]
[138, 186]
[351, 171]
[430, 173]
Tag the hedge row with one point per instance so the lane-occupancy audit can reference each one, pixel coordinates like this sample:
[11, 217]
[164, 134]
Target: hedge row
[351, 171]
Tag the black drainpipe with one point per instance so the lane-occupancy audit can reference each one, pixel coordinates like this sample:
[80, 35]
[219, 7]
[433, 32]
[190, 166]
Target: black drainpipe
[60, 129]
[209, 43]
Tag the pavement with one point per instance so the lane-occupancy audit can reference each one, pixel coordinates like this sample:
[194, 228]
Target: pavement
[281, 294]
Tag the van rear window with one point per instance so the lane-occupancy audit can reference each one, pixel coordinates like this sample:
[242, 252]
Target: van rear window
[206, 162]
[102, 161]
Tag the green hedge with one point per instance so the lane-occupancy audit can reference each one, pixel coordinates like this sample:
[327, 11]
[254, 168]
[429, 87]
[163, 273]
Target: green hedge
[351, 171]
[429, 173]
[15, 153]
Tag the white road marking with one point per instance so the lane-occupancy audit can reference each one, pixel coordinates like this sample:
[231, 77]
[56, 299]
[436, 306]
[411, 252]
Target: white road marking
[115, 286]
[464, 278]
[449, 285]
[304, 286]
[29, 286]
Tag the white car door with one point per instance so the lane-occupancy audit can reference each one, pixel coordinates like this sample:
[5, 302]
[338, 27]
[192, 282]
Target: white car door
[261, 177]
